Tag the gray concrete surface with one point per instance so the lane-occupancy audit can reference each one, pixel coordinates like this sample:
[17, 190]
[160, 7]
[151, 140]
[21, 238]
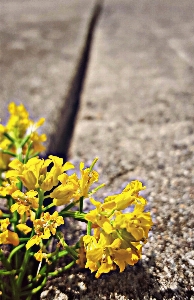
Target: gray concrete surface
[136, 114]
[140, 77]
[41, 48]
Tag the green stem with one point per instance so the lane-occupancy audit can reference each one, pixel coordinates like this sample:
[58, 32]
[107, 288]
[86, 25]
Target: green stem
[41, 199]
[73, 214]
[14, 251]
[19, 152]
[68, 207]
[49, 206]
[35, 290]
[81, 204]
[93, 163]
[97, 188]
[70, 250]
[12, 272]
[9, 137]
[28, 152]
[55, 273]
[24, 239]
[23, 269]
[89, 227]
[6, 215]
[4, 261]
[9, 153]
[24, 141]
[8, 267]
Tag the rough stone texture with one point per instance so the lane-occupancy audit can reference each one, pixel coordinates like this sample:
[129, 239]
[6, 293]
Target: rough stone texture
[139, 84]
[41, 45]
[137, 114]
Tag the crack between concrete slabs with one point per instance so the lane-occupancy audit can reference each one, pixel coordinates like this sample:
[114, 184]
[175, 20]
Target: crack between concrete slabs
[72, 100]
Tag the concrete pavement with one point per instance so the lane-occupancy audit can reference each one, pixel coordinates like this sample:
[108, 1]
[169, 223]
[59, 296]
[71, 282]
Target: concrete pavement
[136, 115]
[42, 48]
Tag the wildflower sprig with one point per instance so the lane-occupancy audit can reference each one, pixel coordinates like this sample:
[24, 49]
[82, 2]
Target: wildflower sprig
[33, 233]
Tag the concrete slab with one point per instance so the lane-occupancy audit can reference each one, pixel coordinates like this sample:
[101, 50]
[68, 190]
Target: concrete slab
[139, 83]
[137, 115]
[41, 47]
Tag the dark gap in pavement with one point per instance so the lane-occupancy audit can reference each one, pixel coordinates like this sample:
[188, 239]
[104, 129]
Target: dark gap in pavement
[72, 100]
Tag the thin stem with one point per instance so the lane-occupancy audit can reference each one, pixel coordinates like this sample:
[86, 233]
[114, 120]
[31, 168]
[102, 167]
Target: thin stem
[6, 215]
[24, 141]
[68, 207]
[74, 214]
[55, 273]
[70, 250]
[35, 290]
[8, 267]
[81, 204]
[14, 251]
[8, 152]
[89, 228]
[23, 269]
[93, 163]
[3, 273]
[28, 152]
[9, 137]
[49, 206]
[41, 199]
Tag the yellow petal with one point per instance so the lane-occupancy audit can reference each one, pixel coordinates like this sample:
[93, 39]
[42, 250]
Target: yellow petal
[67, 166]
[34, 240]
[12, 238]
[24, 228]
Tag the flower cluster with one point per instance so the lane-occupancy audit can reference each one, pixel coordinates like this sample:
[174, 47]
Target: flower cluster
[118, 237]
[114, 237]
[19, 132]
[38, 184]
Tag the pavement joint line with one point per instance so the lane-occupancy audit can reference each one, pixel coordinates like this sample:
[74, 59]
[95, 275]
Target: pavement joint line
[72, 103]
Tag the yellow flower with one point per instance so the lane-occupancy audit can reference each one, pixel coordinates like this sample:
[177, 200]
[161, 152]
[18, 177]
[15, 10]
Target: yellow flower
[24, 201]
[53, 221]
[72, 188]
[137, 223]
[44, 226]
[129, 256]
[40, 255]
[24, 228]
[31, 174]
[36, 139]
[51, 179]
[7, 236]
[130, 195]
[103, 255]
[98, 255]
[88, 177]
[34, 240]
[19, 125]
[34, 173]
[101, 216]
[18, 121]
[65, 192]
[3, 224]
[8, 188]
